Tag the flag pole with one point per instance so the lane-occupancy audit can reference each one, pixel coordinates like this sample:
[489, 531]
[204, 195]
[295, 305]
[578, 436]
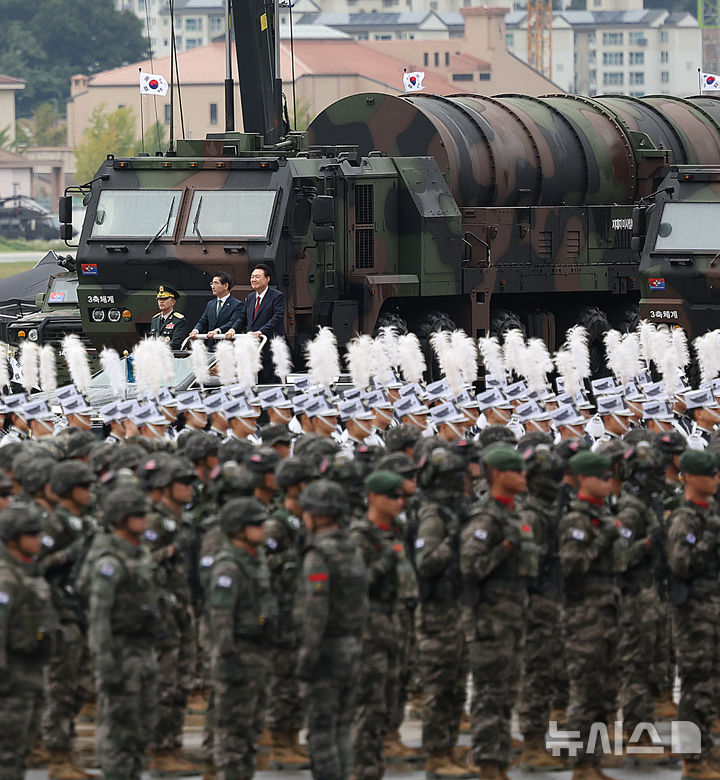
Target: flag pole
[142, 122]
[700, 81]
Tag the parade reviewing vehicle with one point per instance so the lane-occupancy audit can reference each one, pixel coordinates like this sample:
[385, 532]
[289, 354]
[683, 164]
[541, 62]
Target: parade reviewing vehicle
[419, 211]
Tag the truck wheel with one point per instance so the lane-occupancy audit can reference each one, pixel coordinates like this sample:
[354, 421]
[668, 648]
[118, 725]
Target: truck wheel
[627, 320]
[504, 320]
[596, 323]
[393, 320]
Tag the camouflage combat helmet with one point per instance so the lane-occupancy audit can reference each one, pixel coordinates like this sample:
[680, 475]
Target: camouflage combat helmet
[637, 435]
[6, 484]
[239, 512]
[292, 471]
[32, 473]
[128, 456]
[344, 470]
[315, 447]
[161, 470]
[122, 503]
[77, 443]
[399, 463]
[324, 497]
[198, 445]
[232, 480]
[442, 469]
[401, 436]
[69, 474]
[8, 453]
[643, 467]
[101, 456]
[614, 449]
[234, 449]
[263, 460]
[544, 469]
[532, 439]
[671, 443]
[496, 433]
[569, 447]
[19, 519]
[275, 433]
[366, 455]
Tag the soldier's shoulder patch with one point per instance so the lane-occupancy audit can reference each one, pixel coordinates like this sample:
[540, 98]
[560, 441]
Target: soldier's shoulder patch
[318, 580]
[170, 525]
[75, 523]
[419, 543]
[578, 534]
[156, 315]
[223, 581]
[271, 543]
[178, 315]
[151, 535]
[4, 598]
[107, 569]
[206, 561]
[47, 541]
[480, 534]
[626, 532]
[690, 538]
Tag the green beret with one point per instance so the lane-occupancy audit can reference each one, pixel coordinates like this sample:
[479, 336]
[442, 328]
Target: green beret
[590, 464]
[383, 482]
[702, 463]
[503, 458]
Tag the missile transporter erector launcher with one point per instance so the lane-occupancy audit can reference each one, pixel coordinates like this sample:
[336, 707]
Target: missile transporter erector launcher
[423, 211]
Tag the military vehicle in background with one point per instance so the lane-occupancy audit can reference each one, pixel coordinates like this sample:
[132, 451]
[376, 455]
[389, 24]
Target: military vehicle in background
[677, 234]
[57, 312]
[420, 211]
[23, 217]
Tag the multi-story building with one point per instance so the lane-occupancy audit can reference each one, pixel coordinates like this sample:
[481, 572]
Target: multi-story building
[634, 51]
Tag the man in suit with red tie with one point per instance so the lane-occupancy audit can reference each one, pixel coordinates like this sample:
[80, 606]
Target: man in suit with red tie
[221, 311]
[263, 314]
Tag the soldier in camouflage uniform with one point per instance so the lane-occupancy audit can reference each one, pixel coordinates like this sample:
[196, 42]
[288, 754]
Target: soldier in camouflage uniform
[242, 613]
[497, 555]
[170, 481]
[332, 609]
[67, 536]
[641, 616]
[694, 561]
[587, 537]
[119, 577]
[283, 535]
[543, 654]
[377, 681]
[441, 645]
[27, 623]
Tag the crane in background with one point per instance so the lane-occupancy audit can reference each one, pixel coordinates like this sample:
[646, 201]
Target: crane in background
[539, 36]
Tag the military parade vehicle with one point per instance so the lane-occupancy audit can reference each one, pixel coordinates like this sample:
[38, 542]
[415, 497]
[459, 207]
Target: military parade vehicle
[416, 210]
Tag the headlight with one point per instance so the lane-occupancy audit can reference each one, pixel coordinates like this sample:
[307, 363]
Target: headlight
[98, 315]
[32, 335]
[127, 315]
[114, 315]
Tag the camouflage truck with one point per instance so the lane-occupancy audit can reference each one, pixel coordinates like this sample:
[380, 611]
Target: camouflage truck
[677, 234]
[420, 210]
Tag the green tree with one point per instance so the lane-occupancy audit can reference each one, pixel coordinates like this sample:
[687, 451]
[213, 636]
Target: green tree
[5, 138]
[304, 116]
[106, 134]
[45, 42]
[154, 139]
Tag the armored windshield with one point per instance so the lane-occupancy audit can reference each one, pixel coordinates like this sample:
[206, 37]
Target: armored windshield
[63, 289]
[126, 214]
[231, 214]
[689, 227]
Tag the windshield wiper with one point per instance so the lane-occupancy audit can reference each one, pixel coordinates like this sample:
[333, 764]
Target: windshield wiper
[163, 229]
[196, 231]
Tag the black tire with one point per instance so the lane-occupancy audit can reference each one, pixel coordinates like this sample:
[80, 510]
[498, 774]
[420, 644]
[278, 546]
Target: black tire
[596, 322]
[504, 320]
[627, 320]
[392, 319]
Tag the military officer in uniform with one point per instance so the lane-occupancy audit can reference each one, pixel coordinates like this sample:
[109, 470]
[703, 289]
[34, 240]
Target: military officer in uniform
[169, 324]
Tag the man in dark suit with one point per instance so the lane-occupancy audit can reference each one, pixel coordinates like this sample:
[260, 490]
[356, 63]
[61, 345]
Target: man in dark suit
[169, 324]
[220, 313]
[262, 313]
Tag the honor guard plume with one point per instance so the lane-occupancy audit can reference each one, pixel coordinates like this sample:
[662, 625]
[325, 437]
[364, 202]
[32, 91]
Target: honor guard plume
[247, 360]
[323, 359]
[200, 361]
[77, 362]
[225, 354]
[359, 360]
[411, 360]
[282, 362]
[492, 358]
[29, 357]
[48, 368]
[113, 367]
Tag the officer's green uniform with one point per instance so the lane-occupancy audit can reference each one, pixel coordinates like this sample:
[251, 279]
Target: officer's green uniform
[27, 622]
[174, 328]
